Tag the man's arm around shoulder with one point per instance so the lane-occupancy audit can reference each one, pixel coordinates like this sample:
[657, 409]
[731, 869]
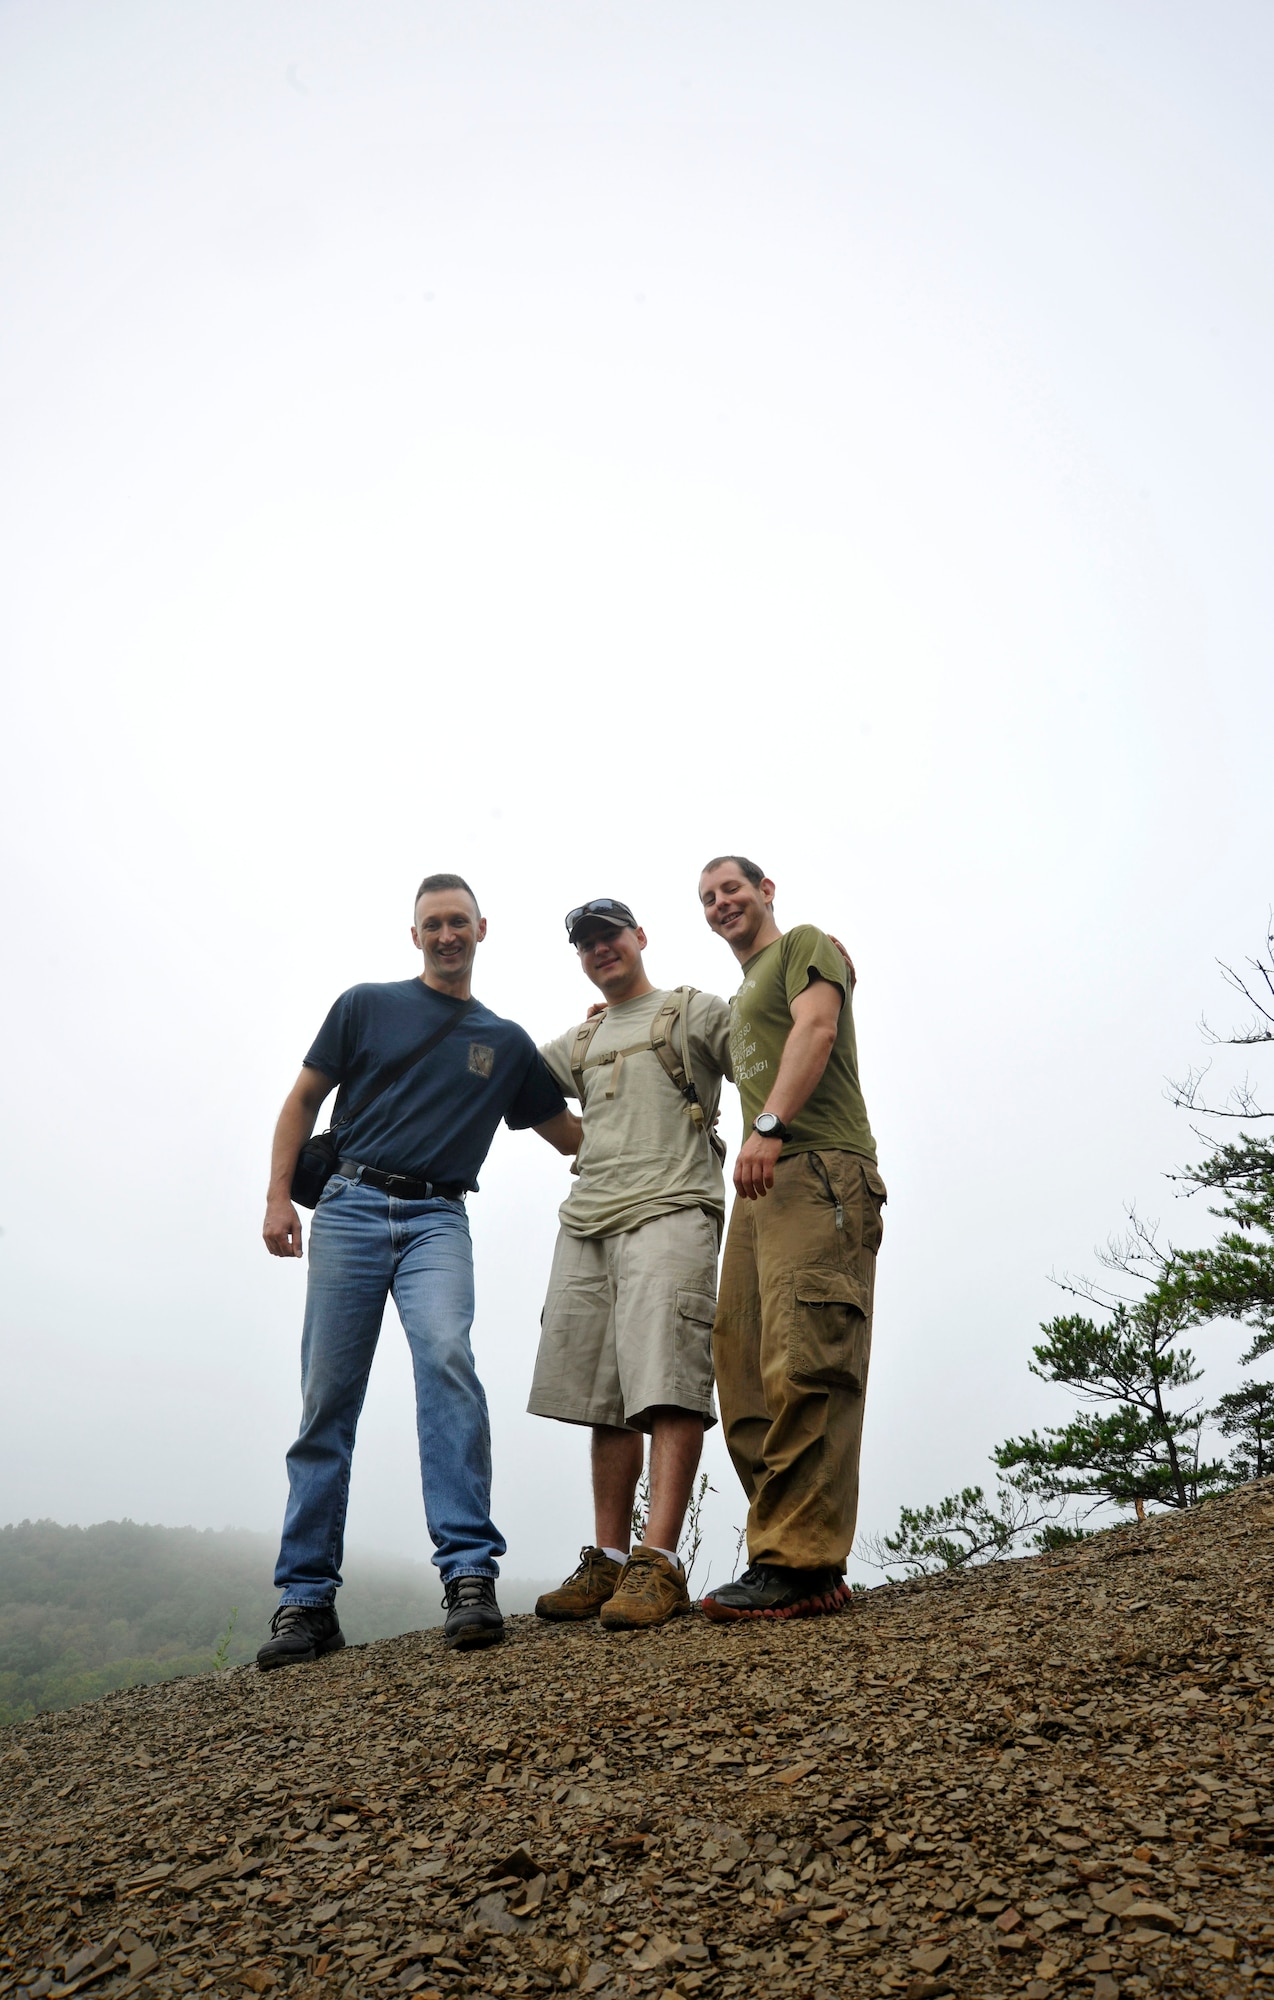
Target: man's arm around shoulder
[556, 1057]
[282, 1227]
[563, 1133]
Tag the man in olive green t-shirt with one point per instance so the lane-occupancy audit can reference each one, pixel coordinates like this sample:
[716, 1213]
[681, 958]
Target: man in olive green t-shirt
[792, 1335]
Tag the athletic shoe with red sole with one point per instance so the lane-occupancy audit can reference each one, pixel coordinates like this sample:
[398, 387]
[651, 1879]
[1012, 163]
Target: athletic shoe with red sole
[765, 1591]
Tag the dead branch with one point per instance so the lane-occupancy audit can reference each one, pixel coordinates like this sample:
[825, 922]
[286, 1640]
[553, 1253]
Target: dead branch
[1183, 1092]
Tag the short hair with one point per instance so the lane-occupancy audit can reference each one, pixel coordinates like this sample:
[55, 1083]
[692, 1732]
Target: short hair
[432, 882]
[754, 874]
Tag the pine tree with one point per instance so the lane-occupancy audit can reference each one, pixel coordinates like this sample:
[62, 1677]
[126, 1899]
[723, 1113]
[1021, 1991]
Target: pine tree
[964, 1529]
[1142, 1448]
[1234, 1279]
[1247, 1415]
[1138, 1443]
[1146, 1447]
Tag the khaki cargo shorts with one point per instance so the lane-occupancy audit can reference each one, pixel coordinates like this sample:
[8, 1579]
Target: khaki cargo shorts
[627, 1324]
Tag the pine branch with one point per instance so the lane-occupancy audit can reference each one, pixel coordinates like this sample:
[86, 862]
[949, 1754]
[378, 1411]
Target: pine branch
[962, 1530]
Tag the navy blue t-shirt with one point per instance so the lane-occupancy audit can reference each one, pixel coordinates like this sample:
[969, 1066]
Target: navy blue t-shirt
[437, 1122]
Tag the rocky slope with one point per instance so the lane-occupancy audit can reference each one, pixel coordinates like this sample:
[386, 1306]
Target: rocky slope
[1044, 1777]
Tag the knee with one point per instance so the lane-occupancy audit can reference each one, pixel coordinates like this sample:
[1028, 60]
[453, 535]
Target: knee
[327, 1423]
[667, 1417]
[448, 1363]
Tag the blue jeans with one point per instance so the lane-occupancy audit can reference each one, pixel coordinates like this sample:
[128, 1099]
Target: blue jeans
[365, 1244]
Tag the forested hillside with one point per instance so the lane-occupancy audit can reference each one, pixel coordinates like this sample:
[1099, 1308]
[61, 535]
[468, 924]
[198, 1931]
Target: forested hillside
[85, 1610]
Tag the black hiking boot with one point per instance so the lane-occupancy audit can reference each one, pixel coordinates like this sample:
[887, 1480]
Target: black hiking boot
[473, 1616]
[765, 1591]
[300, 1632]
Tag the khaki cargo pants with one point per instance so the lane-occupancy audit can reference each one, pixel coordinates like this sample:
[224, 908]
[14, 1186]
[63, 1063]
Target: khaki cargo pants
[790, 1344]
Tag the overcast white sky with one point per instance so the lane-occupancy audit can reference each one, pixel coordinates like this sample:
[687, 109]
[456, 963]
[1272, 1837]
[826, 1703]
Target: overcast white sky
[559, 443]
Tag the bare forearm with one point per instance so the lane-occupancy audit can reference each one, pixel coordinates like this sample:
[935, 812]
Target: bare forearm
[805, 1057]
[563, 1133]
[296, 1122]
[282, 1229]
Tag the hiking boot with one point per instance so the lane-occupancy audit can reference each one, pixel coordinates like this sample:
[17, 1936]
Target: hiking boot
[650, 1591]
[300, 1632]
[586, 1589]
[766, 1591]
[473, 1616]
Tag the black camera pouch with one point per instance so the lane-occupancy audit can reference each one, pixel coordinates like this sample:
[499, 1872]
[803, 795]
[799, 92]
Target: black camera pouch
[315, 1165]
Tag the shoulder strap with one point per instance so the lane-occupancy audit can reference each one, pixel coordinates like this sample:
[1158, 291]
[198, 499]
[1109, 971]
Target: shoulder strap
[661, 1041]
[400, 1069]
[583, 1037]
[680, 1067]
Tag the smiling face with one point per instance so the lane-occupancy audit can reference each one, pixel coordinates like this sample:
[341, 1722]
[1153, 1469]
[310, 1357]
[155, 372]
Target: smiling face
[448, 930]
[612, 959]
[738, 910]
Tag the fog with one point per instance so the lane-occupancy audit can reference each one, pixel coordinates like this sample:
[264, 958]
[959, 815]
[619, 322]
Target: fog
[561, 443]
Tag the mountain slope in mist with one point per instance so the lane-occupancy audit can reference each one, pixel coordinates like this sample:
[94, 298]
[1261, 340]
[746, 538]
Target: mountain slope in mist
[123, 1603]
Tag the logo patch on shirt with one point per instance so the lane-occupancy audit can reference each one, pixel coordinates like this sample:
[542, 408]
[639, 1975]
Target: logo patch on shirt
[481, 1059]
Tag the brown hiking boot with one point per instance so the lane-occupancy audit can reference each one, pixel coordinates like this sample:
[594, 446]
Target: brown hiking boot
[585, 1590]
[650, 1591]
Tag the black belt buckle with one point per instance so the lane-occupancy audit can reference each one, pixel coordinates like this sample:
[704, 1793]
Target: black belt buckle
[405, 1186]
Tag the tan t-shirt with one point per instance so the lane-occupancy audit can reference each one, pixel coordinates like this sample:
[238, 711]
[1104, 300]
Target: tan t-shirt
[642, 1154]
[760, 1023]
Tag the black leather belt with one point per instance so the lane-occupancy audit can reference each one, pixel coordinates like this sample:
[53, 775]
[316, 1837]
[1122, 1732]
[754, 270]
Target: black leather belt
[403, 1185]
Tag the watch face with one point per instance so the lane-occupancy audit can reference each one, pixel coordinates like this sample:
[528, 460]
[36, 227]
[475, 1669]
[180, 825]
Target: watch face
[767, 1124]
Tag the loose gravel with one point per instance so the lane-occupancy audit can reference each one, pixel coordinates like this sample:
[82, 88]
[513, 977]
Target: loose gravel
[1043, 1777]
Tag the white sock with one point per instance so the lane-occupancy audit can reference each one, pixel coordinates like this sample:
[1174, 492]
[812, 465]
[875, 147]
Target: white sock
[671, 1554]
[616, 1555]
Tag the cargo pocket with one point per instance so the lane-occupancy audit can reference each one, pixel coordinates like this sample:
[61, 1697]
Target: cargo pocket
[828, 1340]
[697, 1306]
[693, 1384]
[877, 1196]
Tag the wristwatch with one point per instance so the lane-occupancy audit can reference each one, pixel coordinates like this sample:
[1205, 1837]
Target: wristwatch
[770, 1126]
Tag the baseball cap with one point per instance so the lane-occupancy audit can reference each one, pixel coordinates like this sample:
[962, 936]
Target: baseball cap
[602, 910]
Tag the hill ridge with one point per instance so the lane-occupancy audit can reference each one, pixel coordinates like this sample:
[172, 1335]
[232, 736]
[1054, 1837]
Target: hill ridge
[1046, 1775]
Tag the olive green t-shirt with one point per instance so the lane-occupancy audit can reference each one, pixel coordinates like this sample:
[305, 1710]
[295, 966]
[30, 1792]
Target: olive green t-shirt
[760, 1023]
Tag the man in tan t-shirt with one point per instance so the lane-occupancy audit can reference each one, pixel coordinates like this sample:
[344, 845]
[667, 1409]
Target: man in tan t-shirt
[626, 1334]
[793, 1328]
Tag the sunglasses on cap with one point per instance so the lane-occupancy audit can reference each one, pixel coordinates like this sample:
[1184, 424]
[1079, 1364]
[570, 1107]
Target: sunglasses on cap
[606, 909]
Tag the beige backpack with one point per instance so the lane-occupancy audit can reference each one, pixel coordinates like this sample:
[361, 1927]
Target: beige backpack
[676, 1067]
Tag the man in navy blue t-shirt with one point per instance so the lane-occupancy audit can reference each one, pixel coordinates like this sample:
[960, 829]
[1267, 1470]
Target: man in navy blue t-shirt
[392, 1219]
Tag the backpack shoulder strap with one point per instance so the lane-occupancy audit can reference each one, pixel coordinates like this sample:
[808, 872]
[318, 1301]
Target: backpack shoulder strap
[679, 1067]
[661, 1041]
[579, 1050]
